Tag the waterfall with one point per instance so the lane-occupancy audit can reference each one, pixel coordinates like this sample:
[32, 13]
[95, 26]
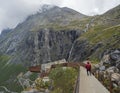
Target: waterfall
[70, 53]
[85, 30]
[89, 24]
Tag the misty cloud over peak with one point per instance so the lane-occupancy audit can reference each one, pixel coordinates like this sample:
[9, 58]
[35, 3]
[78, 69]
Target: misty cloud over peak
[13, 12]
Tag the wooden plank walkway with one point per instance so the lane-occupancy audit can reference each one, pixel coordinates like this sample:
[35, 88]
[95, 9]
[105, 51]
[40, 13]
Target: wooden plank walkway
[89, 84]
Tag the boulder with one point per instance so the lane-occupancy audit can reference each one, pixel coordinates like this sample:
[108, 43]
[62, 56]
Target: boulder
[112, 69]
[112, 58]
[97, 66]
[115, 58]
[119, 83]
[115, 77]
[102, 68]
[118, 65]
[104, 63]
[115, 55]
[105, 59]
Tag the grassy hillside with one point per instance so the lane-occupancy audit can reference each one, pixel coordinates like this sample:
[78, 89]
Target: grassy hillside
[8, 74]
[104, 35]
[79, 24]
[106, 38]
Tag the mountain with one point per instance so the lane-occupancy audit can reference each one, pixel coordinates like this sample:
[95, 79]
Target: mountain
[43, 37]
[55, 33]
[54, 17]
[110, 18]
[113, 13]
[5, 31]
[103, 35]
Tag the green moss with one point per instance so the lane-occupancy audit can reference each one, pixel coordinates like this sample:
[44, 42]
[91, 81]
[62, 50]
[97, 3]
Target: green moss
[94, 60]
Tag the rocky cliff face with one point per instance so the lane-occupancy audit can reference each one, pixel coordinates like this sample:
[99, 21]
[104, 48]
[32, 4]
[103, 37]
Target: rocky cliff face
[38, 47]
[47, 45]
[109, 68]
[39, 40]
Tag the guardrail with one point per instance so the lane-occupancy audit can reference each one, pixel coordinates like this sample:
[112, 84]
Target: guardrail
[77, 83]
[76, 88]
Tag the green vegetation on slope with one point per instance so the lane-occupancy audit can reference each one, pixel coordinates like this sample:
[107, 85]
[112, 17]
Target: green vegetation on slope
[64, 79]
[101, 38]
[8, 74]
[79, 24]
[33, 76]
[109, 37]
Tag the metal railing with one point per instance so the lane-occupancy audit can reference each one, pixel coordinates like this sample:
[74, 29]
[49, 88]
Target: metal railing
[77, 83]
[76, 88]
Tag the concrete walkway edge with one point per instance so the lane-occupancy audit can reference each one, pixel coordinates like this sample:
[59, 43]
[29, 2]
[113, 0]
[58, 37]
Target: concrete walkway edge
[89, 84]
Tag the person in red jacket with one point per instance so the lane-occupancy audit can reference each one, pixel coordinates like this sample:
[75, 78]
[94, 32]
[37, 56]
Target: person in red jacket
[88, 67]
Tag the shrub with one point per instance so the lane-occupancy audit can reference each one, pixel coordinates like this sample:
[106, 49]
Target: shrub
[63, 79]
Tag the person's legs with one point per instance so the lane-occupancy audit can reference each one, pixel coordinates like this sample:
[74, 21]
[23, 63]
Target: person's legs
[90, 72]
[87, 72]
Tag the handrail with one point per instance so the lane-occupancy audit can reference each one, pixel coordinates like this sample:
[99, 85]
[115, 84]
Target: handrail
[76, 88]
[77, 83]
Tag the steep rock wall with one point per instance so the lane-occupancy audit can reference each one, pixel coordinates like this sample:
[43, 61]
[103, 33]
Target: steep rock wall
[42, 46]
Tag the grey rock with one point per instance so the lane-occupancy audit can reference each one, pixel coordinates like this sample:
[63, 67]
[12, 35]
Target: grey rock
[118, 65]
[105, 59]
[115, 77]
[119, 83]
[112, 69]
[115, 57]
[102, 68]
[115, 85]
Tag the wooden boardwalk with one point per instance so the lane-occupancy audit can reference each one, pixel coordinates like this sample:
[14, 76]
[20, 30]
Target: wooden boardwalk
[89, 84]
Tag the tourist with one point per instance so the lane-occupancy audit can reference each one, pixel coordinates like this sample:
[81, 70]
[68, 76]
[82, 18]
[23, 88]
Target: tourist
[88, 67]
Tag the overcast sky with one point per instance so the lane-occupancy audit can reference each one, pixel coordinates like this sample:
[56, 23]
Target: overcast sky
[13, 12]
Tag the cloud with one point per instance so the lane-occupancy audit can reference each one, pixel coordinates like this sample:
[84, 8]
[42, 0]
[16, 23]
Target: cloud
[90, 7]
[14, 11]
